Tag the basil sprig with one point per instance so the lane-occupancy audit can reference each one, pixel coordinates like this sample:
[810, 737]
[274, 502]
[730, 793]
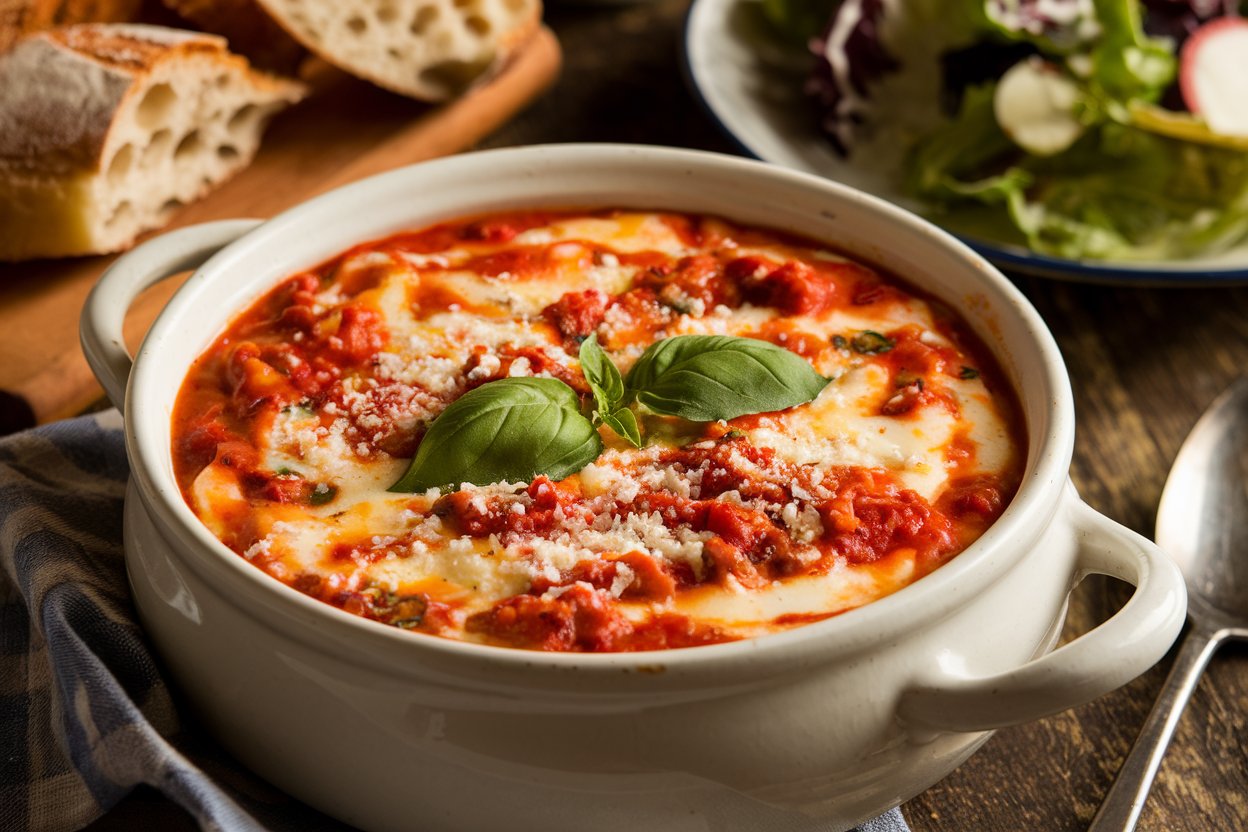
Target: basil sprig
[610, 395]
[708, 377]
[514, 429]
[508, 430]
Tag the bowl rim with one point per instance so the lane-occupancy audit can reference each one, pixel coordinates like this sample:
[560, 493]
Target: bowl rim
[936, 595]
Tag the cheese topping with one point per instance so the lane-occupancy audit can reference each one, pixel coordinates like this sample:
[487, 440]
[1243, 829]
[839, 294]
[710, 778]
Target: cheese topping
[292, 427]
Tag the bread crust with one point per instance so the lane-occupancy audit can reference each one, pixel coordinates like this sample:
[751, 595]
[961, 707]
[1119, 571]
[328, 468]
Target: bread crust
[22, 17]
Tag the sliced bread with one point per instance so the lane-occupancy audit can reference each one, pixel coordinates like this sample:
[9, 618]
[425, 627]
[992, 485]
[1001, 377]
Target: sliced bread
[427, 49]
[106, 129]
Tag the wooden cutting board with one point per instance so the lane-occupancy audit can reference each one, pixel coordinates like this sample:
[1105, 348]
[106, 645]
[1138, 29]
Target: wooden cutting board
[346, 130]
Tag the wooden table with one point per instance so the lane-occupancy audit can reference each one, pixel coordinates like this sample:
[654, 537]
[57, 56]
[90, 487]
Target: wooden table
[1144, 363]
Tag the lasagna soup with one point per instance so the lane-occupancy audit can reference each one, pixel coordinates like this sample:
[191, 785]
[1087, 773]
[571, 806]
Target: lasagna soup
[295, 432]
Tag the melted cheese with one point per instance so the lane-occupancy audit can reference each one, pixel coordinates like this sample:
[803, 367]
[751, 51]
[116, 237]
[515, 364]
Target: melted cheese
[338, 438]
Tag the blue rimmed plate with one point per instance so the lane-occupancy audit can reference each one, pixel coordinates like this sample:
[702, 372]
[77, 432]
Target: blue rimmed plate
[751, 84]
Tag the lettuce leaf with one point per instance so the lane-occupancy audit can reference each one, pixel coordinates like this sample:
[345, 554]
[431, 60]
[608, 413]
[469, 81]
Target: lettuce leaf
[1126, 63]
[1119, 193]
[1127, 194]
[953, 161]
[797, 21]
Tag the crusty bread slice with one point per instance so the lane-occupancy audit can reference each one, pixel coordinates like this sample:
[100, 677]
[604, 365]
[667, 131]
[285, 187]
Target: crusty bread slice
[248, 28]
[106, 129]
[427, 49]
[21, 17]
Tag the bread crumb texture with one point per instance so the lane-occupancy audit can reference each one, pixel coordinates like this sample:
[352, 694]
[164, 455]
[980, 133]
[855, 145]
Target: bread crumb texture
[427, 49]
[107, 129]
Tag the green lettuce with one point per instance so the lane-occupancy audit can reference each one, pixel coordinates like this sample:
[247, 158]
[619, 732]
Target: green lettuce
[1123, 193]
[955, 161]
[797, 20]
[1118, 193]
[1126, 63]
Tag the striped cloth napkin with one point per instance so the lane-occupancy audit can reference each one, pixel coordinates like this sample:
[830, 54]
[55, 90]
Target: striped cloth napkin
[85, 713]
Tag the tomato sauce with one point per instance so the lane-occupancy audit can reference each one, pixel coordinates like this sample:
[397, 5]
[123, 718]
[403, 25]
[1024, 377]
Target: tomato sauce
[326, 384]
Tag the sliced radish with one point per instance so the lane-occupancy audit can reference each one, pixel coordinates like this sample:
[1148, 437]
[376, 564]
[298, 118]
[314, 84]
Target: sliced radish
[1035, 105]
[1213, 74]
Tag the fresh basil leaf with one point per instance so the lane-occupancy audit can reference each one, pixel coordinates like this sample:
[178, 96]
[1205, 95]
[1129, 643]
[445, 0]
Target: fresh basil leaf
[603, 376]
[507, 430]
[709, 377]
[609, 392]
[624, 423]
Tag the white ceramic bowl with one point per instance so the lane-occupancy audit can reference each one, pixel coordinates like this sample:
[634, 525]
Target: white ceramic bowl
[814, 728]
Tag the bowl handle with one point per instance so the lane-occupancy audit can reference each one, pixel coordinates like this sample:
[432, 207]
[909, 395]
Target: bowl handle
[104, 314]
[1106, 657]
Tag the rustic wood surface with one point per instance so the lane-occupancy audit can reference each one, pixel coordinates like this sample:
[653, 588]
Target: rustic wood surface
[1144, 363]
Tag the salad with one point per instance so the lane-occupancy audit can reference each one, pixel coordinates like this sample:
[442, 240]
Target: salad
[1098, 129]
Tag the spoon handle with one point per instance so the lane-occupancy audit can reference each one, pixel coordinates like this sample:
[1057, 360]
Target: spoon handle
[1122, 805]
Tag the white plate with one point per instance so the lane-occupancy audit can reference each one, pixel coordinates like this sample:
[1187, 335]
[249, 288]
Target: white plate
[751, 83]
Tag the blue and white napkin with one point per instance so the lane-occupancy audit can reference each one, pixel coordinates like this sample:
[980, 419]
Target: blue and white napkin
[85, 712]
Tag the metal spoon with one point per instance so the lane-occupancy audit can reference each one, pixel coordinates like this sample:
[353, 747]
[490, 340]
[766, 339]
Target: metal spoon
[1202, 523]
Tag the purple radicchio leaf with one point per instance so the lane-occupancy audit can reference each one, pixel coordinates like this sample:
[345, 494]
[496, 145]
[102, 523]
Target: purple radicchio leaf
[1177, 19]
[850, 58]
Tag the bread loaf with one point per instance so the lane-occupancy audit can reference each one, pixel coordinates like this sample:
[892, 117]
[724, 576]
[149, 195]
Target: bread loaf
[21, 17]
[428, 49]
[105, 130]
[248, 29]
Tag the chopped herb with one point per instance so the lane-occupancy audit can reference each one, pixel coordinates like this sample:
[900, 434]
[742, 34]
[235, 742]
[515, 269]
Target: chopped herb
[303, 410]
[839, 342]
[870, 342]
[680, 306]
[379, 597]
[674, 298]
[409, 611]
[731, 435]
[322, 494]
[968, 373]
[286, 472]
[905, 378]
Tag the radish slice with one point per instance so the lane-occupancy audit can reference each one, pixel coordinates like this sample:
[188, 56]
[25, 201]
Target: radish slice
[1213, 75]
[1035, 106]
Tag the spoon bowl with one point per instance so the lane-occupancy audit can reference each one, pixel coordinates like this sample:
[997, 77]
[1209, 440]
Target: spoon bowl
[1202, 523]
